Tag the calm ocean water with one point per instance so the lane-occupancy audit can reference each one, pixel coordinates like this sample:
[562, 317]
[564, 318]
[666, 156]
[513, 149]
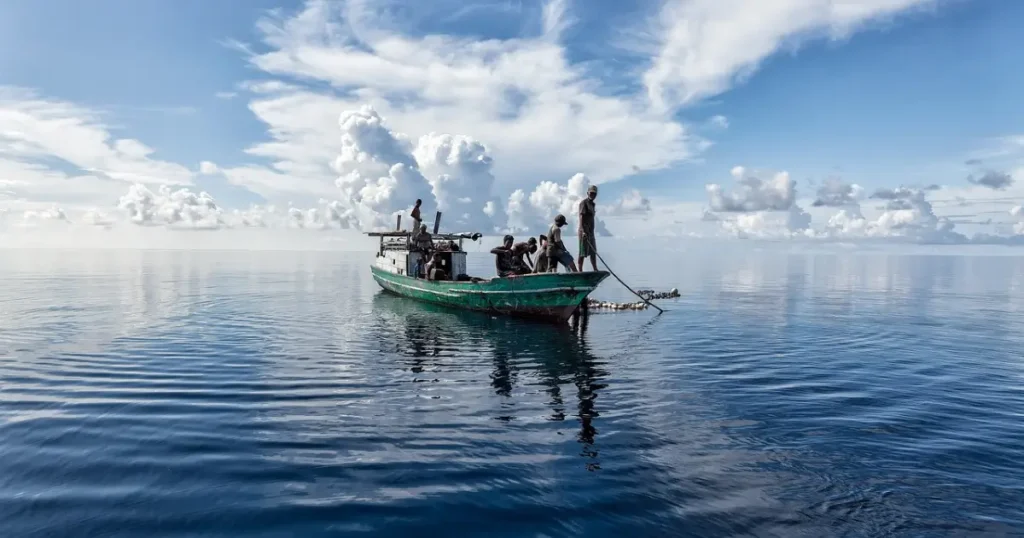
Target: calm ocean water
[283, 394]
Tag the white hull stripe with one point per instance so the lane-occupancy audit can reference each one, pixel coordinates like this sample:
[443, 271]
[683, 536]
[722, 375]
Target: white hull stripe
[513, 292]
[425, 290]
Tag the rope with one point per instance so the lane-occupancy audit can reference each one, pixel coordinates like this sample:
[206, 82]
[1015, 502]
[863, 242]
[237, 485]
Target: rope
[593, 249]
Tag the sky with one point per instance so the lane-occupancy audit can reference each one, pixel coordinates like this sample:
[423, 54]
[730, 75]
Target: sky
[804, 120]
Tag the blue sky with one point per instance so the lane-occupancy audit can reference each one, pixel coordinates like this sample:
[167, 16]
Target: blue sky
[902, 100]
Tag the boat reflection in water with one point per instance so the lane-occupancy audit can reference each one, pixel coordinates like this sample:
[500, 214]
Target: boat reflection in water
[451, 345]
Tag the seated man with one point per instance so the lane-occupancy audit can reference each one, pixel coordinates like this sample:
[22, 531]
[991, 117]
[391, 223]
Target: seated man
[503, 257]
[435, 271]
[519, 265]
[423, 244]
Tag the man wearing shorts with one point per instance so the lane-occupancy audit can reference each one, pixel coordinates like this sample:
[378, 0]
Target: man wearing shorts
[557, 253]
[588, 239]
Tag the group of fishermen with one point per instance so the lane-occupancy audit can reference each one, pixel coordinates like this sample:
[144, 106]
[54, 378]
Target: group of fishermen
[513, 258]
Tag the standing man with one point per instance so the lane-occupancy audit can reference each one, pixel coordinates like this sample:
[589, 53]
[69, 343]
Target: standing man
[588, 239]
[542, 256]
[557, 253]
[415, 214]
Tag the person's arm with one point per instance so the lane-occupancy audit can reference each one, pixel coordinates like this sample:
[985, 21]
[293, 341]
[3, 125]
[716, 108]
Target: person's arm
[499, 250]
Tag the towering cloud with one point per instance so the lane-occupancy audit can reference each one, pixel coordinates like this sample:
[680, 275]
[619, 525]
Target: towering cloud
[458, 169]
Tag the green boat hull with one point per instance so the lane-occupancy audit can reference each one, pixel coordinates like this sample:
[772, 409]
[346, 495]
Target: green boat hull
[542, 296]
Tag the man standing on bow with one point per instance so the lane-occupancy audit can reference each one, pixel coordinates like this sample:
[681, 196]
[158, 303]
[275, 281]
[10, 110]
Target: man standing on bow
[588, 239]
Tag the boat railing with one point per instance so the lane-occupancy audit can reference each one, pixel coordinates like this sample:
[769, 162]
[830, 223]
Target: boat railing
[443, 237]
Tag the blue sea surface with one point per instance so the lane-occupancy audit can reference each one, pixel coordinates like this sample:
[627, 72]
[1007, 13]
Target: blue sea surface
[149, 393]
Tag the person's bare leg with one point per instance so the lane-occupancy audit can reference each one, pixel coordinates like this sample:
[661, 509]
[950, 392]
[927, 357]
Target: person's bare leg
[593, 261]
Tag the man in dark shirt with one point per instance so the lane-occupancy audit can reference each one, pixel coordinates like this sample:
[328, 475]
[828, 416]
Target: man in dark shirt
[435, 269]
[588, 240]
[415, 214]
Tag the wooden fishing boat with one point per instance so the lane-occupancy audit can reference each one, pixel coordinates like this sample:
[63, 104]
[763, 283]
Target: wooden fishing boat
[543, 296]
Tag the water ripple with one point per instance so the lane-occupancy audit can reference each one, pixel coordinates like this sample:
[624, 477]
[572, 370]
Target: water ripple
[160, 394]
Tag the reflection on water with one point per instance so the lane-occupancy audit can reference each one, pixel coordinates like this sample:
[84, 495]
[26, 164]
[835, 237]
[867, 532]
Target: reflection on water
[559, 354]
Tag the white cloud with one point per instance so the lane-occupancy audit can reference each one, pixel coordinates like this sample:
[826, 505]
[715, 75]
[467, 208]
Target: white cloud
[226, 95]
[719, 122]
[55, 213]
[208, 168]
[541, 116]
[96, 217]
[907, 215]
[458, 169]
[535, 212]
[180, 208]
[632, 202]
[836, 193]
[753, 193]
[35, 130]
[703, 47]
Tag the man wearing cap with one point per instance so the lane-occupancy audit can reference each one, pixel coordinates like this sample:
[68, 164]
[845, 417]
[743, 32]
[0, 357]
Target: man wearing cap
[557, 253]
[588, 239]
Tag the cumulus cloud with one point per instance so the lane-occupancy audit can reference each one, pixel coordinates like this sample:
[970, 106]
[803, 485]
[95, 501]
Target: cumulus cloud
[836, 193]
[179, 208]
[53, 214]
[993, 180]
[907, 215]
[535, 212]
[702, 47]
[379, 175]
[96, 217]
[753, 194]
[458, 169]
[632, 202]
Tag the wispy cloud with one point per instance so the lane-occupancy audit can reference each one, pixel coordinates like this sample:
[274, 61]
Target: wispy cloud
[702, 47]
